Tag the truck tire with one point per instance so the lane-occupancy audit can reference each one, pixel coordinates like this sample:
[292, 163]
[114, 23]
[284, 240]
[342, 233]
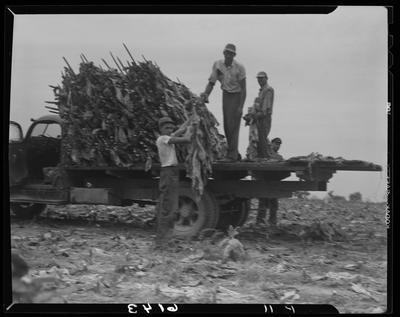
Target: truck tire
[234, 213]
[26, 210]
[195, 216]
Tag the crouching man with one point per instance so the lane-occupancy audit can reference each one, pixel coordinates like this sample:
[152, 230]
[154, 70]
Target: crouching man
[169, 177]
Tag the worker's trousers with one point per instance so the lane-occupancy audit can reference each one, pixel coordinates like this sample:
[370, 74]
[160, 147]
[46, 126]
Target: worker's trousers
[168, 203]
[272, 204]
[263, 128]
[232, 118]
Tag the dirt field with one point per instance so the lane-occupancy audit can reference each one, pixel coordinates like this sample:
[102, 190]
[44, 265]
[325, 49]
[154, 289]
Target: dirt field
[321, 253]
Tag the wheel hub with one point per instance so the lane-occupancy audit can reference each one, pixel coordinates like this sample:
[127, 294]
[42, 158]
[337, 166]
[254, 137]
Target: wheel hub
[187, 213]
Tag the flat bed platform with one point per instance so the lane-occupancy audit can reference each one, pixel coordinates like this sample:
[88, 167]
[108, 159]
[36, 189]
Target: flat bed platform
[290, 165]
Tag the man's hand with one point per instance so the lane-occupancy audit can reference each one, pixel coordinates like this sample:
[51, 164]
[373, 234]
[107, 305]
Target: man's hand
[188, 133]
[259, 115]
[204, 97]
[247, 119]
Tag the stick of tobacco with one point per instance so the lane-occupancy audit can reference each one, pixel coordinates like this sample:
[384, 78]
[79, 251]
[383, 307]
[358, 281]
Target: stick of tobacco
[129, 53]
[87, 61]
[122, 65]
[116, 62]
[52, 102]
[69, 66]
[51, 108]
[106, 63]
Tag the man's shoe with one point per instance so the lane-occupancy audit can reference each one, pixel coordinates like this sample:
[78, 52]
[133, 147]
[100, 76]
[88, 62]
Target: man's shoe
[260, 222]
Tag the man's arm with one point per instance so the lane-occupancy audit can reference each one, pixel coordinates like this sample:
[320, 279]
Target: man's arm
[211, 82]
[207, 91]
[181, 129]
[187, 138]
[242, 94]
[267, 102]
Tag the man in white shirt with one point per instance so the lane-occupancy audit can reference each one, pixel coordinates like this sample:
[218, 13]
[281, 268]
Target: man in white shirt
[169, 176]
[263, 105]
[232, 76]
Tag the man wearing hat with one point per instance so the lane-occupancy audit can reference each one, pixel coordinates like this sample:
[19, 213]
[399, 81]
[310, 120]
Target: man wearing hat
[274, 148]
[169, 176]
[232, 76]
[263, 113]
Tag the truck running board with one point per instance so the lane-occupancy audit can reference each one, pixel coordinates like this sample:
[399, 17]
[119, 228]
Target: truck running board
[43, 194]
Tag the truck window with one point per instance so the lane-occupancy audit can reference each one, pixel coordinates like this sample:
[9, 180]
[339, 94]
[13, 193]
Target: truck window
[15, 133]
[47, 129]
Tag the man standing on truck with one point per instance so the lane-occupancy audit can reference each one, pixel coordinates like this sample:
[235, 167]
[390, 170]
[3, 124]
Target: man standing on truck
[271, 203]
[232, 76]
[169, 176]
[263, 113]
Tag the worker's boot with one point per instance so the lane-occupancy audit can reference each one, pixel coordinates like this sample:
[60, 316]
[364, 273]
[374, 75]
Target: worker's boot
[260, 220]
[164, 231]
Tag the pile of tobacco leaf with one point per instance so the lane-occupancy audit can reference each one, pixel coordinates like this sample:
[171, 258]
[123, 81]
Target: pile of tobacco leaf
[110, 118]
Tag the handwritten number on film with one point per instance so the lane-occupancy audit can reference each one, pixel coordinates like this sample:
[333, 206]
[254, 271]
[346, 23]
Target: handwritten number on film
[268, 309]
[132, 308]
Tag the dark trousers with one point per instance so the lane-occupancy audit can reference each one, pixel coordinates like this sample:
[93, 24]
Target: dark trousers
[272, 204]
[263, 128]
[232, 118]
[169, 201]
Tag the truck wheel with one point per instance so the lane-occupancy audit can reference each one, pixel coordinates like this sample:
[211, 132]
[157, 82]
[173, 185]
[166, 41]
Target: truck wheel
[234, 213]
[194, 216]
[26, 210]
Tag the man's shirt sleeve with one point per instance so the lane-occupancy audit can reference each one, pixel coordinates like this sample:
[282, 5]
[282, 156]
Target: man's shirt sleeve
[242, 73]
[164, 139]
[214, 73]
[268, 100]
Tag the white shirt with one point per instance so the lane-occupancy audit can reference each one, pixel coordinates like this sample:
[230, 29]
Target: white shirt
[166, 151]
[229, 76]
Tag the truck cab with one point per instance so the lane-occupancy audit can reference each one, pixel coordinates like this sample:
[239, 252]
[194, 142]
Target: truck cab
[29, 156]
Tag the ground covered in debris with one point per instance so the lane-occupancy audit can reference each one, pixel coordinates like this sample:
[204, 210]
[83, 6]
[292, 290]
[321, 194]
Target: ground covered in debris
[321, 253]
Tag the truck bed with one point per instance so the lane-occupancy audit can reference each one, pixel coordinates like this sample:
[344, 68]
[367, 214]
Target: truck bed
[290, 165]
[135, 183]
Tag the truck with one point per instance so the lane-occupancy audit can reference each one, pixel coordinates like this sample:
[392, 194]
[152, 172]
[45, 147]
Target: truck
[37, 179]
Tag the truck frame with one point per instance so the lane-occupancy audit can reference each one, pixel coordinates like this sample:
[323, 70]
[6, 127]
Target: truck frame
[37, 180]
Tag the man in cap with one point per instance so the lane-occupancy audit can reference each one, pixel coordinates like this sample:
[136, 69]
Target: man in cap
[232, 76]
[274, 148]
[263, 113]
[169, 176]
[271, 203]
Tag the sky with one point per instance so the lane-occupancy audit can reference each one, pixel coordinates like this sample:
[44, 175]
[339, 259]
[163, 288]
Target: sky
[329, 72]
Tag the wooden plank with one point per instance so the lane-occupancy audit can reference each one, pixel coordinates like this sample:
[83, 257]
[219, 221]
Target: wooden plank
[260, 166]
[259, 188]
[39, 196]
[373, 168]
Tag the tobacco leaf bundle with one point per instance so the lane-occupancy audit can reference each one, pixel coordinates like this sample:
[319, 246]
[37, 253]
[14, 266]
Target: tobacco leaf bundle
[110, 119]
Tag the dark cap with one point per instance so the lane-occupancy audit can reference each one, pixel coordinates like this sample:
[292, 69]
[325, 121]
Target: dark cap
[230, 48]
[165, 120]
[262, 74]
[276, 140]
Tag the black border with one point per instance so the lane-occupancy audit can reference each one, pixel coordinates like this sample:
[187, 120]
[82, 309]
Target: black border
[203, 8]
